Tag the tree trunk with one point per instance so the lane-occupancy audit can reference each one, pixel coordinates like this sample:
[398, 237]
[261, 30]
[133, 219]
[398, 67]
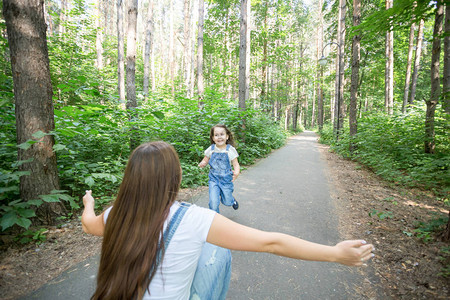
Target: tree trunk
[319, 68]
[435, 82]
[416, 62]
[389, 72]
[339, 110]
[171, 48]
[33, 93]
[244, 72]
[149, 36]
[408, 68]
[355, 75]
[99, 37]
[120, 52]
[187, 44]
[201, 16]
[131, 69]
[446, 75]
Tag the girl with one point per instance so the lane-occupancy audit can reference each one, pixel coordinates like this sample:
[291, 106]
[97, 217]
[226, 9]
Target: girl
[220, 156]
[130, 267]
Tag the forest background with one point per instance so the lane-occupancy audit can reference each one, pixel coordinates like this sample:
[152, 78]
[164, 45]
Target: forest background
[368, 77]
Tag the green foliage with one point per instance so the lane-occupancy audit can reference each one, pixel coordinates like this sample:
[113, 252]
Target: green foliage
[381, 214]
[37, 236]
[425, 231]
[392, 146]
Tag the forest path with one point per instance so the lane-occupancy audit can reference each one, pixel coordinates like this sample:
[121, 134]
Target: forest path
[287, 192]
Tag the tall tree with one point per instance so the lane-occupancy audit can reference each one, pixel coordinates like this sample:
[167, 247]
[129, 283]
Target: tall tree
[446, 75]
[187, 44]
[26, 30]
[148, 53]
[131, 66]
[201, 16]
[171, 47]
[120, 52]
[389, 71]
[356, 49]
[435, 81]
[339, 104]
[99, 38]
[416, 61]
[244, 54]
[408, 68]
[319, 69]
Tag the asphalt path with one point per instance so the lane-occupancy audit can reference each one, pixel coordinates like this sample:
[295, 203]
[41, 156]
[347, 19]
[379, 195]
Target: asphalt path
[288, 192]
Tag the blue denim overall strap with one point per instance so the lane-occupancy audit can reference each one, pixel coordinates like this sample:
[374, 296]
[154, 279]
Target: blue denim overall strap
[172, 227]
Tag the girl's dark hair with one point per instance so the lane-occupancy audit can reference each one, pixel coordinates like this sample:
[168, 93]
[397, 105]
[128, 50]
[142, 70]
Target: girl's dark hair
[130, 244]
[229, 133]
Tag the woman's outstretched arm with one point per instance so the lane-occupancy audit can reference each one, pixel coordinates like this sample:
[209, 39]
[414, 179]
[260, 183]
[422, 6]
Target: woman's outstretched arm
[91, 223]
[228, 234]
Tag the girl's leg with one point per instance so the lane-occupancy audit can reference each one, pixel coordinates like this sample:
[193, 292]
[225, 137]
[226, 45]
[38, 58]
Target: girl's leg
[212, 277]
[226, 193]
[214, 196]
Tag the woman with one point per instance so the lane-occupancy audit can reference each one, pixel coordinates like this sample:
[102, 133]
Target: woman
[132, 228]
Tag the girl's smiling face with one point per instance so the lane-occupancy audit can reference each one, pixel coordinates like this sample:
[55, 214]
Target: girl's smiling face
[220, 137]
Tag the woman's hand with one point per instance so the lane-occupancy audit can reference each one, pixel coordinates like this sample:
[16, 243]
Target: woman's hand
[354, 253]
[91, 223]
[88, 199]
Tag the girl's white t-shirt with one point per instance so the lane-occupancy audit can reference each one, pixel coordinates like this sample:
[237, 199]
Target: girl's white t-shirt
[174, 277]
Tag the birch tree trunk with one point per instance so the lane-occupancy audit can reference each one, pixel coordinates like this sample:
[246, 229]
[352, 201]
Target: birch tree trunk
[389, 71]
[435, 82]
[244, 55]
[416, 62]
[187, 44]
[408, 68]
[26, 30]
[355, 75]
[120, 52]
[131, 67]
[320, 69]
[149, 36]
[171, 48]
[200, 87]
[99, 37]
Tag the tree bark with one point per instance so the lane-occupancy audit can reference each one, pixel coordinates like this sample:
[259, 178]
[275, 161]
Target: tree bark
[200, 87]
[416, 62]
[446, 75]
[187, 44]
[244, 72]
[408, 68]
[149, 36]
[355, 75]
[171, 48]
[120, 52]
[99, 37]
[435, 82]
[131, 69]
[26, 29]
[339, 105]
[389, 71]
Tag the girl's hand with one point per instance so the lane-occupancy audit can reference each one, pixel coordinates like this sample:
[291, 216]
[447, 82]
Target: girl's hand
[202, 164]
[354, 253]
[235, 175]
[88, 199]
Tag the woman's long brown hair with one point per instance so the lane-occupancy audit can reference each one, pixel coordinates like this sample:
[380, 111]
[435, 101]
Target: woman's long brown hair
[130, 244]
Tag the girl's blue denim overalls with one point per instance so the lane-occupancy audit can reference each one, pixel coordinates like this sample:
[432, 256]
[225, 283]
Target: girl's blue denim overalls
[220, 179]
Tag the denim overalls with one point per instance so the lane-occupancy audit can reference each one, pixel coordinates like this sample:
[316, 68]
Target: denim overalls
[220, 179]
[213, 273]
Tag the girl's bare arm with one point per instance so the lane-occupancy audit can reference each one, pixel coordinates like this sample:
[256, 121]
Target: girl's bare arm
[204, 162]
